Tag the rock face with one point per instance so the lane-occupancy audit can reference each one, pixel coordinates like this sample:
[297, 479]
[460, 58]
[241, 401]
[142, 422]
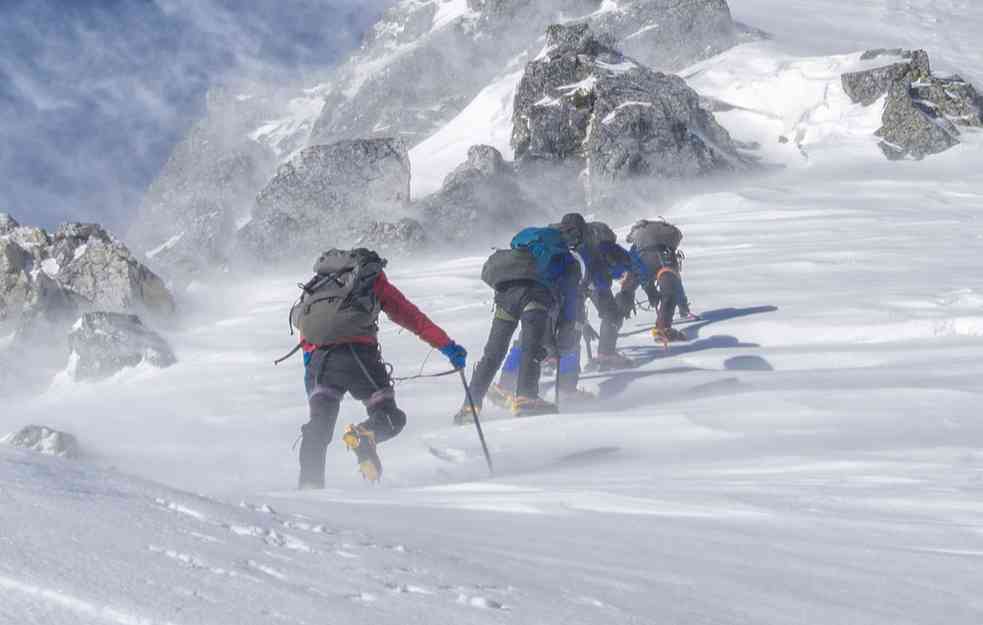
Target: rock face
[325, 195]
[406, 236]
[105, 343]
[427, 59]
[584, 102]
[480, 198]
[420, 65]
[921, 111]
[668, 34]
[188, 215]
[50, 277]
[44, 440]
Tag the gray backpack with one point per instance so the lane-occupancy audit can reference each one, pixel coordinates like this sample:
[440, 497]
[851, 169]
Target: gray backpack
[648, 235]
[509, 266]
[599, 232]
[339, 302]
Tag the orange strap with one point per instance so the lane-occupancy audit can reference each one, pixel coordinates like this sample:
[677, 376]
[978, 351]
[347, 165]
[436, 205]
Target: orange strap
[665, 270]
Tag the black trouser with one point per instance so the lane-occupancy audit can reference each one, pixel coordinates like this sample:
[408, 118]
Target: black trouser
[330, 373]
[670, 295]
[611, 320]
[526, 305]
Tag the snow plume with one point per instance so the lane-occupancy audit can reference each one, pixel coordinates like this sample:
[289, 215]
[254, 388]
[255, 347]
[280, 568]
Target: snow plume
[94, 95]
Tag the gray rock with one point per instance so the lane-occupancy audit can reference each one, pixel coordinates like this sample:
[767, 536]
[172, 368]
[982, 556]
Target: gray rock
[324, 195]
[47, 278]
[411, 78]
[922, 111]
[104, 274]
[7, 224]
[585, 103]
[669, 34]
[481, 198]
[44, 440]
[15, 280]
[868, 86]
[104, 343]
[406, 236]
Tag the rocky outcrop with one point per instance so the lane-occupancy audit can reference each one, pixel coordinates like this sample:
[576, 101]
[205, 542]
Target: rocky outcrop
[44, 440]
[668, 34]
[104, 343]
[424, 61]
[7, 224]
[325, 195]
[480, 198]
[583, 101]
[50, 277]
[922, 111]
[406, 236]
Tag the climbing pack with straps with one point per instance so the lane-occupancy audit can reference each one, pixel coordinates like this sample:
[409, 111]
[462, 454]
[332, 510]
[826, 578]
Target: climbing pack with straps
[530, 257]
[339, 301]
[652, 234]
[656, 242]
[599, 232]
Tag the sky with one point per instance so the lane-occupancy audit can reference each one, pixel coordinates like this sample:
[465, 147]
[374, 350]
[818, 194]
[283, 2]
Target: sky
[95, 93]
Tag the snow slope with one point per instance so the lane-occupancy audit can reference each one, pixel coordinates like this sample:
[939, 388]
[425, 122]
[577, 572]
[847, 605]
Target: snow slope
[813, 455]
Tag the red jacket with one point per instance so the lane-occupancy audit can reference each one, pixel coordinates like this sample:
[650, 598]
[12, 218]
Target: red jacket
[402, 312]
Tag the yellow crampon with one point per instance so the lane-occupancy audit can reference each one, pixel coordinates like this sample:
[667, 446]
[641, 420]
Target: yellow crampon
[362, 442]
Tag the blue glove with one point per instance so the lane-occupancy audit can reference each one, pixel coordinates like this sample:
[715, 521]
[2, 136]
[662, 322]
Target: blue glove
[456, 354]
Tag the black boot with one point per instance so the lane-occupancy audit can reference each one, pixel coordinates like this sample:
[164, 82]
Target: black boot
[313, 448]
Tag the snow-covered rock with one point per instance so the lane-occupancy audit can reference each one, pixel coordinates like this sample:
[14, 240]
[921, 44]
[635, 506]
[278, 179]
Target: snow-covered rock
[45, 279]
[44, 440]
[427, 59]
[325, 194]
[101, 270]
[480, 198]
[104, 343]
[922, 111]
[668, 34]
[7, 224]
[15, 279]
[583, 102]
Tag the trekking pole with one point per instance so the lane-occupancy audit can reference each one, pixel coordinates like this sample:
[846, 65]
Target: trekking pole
[477, 422]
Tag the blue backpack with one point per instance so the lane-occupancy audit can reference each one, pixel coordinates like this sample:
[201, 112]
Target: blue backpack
[548, 248]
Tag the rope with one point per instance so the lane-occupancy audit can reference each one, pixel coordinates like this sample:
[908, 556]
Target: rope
[426, 375]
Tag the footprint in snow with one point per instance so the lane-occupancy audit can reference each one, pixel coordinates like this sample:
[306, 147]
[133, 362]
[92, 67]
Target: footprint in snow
[264, 508]
[180, 509]
[363, 597]
[409, 589]
[269, 570]
[480, 602]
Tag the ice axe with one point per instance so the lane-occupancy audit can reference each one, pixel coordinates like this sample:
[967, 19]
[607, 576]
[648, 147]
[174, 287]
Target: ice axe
[477, 421]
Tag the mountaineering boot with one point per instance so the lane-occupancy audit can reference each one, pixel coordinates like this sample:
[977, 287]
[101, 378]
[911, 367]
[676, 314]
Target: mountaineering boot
[499, 396]
[610, 362]
[668, 335]
[362, 442]
[532, 407]
[465, 416]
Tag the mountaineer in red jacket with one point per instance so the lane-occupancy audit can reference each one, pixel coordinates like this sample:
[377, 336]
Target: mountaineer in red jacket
[337, 316]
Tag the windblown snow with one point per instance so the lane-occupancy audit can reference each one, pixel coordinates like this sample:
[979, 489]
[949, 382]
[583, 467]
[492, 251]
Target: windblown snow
[813, 454]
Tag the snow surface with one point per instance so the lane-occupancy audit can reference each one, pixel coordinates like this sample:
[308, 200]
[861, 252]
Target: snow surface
[486, 120]
[813, 455]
